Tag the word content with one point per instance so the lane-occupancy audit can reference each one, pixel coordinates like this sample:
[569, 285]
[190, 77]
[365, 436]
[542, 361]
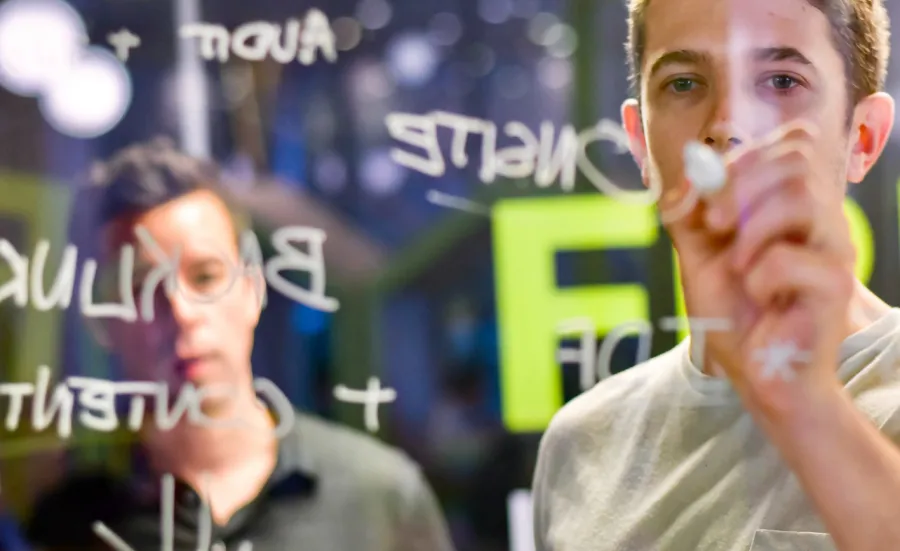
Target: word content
[26, 284]
[97, 402]
[536, 155]
[257, 40]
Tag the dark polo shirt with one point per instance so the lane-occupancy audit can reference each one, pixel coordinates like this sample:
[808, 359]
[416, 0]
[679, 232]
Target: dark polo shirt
[333, 489]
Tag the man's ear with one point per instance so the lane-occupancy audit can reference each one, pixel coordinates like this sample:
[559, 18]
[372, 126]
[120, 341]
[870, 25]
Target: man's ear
[873, 118]
[634, 127]
[254, 283]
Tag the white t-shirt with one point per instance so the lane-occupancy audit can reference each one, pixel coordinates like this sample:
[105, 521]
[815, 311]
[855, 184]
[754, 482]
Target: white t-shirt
[663, 457]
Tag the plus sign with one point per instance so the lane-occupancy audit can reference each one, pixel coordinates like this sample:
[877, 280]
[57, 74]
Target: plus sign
[371, 397]
[123, 41]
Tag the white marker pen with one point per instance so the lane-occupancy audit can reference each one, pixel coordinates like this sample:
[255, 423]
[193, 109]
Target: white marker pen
[704, 168]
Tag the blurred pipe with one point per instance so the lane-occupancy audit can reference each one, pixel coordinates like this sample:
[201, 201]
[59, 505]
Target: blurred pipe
[193, 108]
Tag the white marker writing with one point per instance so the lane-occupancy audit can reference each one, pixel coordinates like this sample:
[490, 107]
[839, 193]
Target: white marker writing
[371, 397]
[291, 258]
[698, 328]
[164, 267]
[96, 404]
[593, 369]
[288, 242]
[167, 522]
[583, 355]
[60, 293]
[256, 40]
[123, 41]
[535, 155]
[127, 310]
[777, 359]
[17, 287]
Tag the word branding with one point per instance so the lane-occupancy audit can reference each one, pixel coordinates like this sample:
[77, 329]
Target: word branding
[256, 40]
[97, 399]
[166, 269]
[537, 155]
[776, 358]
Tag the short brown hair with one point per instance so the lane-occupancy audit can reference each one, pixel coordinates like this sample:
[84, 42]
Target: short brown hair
[149, 174]
[860, 32]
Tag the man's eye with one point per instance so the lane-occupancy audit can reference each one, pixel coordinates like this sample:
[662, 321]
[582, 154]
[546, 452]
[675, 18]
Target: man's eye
[205, 279]
[682, 85]
[783, 83]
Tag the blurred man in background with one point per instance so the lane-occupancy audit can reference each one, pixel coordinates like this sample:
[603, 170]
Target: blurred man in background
[761, 432]
[321, 486]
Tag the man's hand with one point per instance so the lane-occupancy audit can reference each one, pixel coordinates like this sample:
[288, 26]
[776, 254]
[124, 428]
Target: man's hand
[771, 252]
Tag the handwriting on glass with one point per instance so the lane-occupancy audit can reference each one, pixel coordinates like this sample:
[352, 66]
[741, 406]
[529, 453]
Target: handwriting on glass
[96, 401]
[28, 284]
[776, 358]
[536, 155]
[371, 397]
[256, 40]
[167, 522]
[123, 41]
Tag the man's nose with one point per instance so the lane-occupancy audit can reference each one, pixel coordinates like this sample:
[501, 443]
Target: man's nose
[725, 127]
[185, 311]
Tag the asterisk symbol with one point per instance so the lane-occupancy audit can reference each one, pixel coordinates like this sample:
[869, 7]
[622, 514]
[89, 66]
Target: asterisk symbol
[777, 357]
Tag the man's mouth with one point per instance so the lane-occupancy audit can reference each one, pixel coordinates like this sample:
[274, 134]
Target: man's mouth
[188, 368]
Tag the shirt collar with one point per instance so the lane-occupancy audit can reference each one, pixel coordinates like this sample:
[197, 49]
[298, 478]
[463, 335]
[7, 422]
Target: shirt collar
[295, 473]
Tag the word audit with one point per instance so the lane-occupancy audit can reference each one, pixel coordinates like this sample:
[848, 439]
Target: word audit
[165, 269]
[257, 40]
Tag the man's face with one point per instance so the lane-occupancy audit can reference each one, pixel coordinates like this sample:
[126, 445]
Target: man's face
[190, 338]
[723, 73]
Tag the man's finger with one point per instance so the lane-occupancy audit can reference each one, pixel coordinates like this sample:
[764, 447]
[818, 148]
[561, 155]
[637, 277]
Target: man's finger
[750, 183]
[786, 270]
[788, 213]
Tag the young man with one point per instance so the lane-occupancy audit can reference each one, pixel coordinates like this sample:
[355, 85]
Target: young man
[319, 487]
[727, 443]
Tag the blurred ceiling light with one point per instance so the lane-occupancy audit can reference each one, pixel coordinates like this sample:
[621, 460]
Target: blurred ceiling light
[511, 82]
[347, 33]
[539, 25]
[554, 73]
[561, 40]
[320, 121]
[379, 174]
[374, 14]
[459, 80]
[369, 81]
[495, 11]
[526, 9]
[90, 98]
[411, 59]
[444, 29]
[38, 40]
[482, 58]
[330, 173]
